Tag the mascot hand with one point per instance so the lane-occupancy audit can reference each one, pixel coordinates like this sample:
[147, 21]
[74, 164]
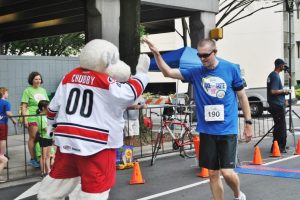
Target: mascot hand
[119, 71]
[143, 64]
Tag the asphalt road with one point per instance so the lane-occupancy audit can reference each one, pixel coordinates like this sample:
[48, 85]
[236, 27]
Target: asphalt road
[175, 178]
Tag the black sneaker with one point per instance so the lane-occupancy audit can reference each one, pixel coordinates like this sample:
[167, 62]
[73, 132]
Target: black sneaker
[283, 150]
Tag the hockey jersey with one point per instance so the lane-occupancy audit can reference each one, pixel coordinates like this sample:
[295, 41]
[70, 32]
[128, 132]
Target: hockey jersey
[87, 110]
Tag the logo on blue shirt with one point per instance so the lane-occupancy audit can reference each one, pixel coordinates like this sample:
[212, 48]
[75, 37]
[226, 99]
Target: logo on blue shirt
[214, 86]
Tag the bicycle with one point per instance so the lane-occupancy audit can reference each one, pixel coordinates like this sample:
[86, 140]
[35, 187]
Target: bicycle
[182, 140]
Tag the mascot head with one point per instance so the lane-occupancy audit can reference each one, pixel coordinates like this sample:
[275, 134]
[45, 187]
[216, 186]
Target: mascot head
[102, 56]
[98, 54]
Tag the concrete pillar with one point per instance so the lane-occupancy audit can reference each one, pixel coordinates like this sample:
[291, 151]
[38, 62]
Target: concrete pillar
[102, 20]
[129, 32]
[200, 25]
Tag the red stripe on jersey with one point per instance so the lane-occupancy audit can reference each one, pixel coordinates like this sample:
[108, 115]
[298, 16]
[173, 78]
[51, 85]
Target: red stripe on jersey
[83, 132]
[137, 86]
[51, 114]
[82, 76]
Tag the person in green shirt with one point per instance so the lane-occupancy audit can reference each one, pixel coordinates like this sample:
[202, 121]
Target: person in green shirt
[45, 140]
[29, 103]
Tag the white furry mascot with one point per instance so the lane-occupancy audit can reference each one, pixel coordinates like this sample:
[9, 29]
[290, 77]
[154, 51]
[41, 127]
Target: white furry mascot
[87, 113]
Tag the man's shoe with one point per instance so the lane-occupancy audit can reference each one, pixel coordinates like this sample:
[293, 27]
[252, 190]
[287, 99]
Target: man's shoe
[283, 150]
[242, 196]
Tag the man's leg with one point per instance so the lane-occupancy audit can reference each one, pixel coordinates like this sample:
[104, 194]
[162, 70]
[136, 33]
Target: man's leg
[232, 180]
[279, 133]
[282, 129]
[131, 140]
[216, 185]
[276, 118]
[228, 157]
[209, 159]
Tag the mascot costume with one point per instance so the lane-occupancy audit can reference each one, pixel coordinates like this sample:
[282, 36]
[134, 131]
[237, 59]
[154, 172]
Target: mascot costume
[87, 115]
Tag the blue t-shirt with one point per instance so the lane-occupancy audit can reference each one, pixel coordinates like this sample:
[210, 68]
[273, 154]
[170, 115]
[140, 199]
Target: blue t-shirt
[216, 87]
[4, 107]
[274, 83]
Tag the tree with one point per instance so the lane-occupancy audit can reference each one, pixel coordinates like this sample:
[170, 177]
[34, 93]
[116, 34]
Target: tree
[60, 45]
[231, 11]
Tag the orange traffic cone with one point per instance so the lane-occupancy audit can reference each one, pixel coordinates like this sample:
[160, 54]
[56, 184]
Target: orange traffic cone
[257, 157]
[297, 152]
[276, 151]
[196, 140]
[203, 173]
[137, 177]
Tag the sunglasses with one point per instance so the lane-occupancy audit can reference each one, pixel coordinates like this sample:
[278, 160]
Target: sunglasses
[204, 55]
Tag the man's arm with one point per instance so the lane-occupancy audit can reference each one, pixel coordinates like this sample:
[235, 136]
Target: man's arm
[243, 99]
[162, 65]
[280, 92]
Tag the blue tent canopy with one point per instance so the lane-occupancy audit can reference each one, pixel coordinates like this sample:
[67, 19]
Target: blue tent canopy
[181, 58]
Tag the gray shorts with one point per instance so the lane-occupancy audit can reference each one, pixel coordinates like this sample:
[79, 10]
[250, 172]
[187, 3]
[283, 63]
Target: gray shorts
[218, 151]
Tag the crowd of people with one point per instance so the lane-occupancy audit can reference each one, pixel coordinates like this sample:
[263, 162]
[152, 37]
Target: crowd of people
[34, 104]
[87, 133]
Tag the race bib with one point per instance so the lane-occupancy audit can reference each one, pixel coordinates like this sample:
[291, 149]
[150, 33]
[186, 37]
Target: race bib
[214, 113]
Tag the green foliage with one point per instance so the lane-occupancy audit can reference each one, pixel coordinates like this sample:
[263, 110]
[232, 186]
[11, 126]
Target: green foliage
[60, 45]
[142, 31]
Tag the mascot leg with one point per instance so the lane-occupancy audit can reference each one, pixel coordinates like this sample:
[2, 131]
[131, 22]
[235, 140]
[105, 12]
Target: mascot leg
[56, 189]
[93, 196]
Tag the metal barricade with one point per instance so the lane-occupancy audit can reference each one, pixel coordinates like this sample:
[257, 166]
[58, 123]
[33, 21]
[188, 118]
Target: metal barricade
[18, 168]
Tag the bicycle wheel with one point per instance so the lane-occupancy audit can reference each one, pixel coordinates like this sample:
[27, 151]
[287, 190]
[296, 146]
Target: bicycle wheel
[188, 145]
[156, 147]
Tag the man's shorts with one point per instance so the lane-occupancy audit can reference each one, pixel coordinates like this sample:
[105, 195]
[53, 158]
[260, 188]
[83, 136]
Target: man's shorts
[97, 171]
[133, 126]
[3, 131]
[218, 151]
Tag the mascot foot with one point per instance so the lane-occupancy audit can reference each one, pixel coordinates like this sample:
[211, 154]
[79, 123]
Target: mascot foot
[93, 196]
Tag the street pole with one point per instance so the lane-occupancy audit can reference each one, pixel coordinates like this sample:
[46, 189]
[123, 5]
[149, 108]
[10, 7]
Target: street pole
[290, 10]
[290, 13]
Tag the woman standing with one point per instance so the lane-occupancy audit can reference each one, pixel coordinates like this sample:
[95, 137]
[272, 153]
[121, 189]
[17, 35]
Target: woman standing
[30, 99]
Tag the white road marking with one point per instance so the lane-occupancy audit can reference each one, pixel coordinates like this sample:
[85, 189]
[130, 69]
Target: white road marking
[174, 190]
[30, 192]
[203, 182]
